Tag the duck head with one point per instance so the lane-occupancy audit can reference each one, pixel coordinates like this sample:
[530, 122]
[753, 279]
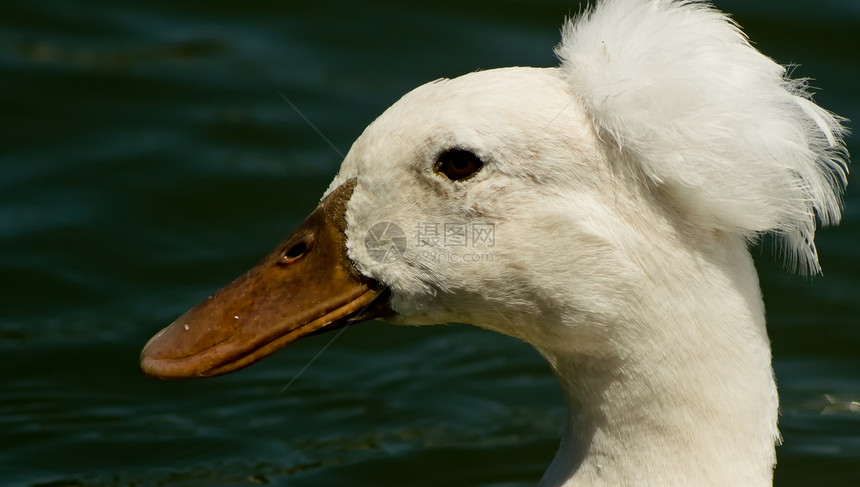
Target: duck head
[599, 211]
[458, 204]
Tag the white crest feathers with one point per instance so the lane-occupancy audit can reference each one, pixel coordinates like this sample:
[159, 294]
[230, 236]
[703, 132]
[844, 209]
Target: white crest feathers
[677, 86]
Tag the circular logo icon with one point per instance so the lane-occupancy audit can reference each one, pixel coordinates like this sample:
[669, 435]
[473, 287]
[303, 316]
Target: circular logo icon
[385, 242]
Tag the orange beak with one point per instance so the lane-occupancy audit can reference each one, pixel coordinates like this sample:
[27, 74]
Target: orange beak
[306, 285]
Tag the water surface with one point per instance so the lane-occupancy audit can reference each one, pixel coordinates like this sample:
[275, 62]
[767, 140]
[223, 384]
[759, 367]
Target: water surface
[148, 157]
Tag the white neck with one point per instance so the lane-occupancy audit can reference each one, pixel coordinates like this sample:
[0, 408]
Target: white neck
[690, 400]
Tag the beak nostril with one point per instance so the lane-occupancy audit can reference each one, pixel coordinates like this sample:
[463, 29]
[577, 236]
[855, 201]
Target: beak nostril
[295, 253]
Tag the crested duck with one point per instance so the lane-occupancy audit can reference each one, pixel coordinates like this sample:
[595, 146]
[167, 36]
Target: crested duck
[600, 211]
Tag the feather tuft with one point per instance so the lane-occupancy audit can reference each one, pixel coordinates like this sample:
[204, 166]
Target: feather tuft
[722, 128]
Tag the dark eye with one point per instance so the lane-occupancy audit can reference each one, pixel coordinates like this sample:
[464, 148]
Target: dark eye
[458, 164]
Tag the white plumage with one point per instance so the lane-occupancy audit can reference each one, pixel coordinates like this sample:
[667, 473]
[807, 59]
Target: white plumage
[622, 191]
[677, 85]
[624, 188]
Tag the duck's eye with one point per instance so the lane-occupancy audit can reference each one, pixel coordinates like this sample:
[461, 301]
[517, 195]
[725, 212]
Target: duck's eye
[458, 164]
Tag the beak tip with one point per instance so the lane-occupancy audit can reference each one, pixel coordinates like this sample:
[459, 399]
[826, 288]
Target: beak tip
[156, 360]
[147, 361]
[150, 367]
[165, 369]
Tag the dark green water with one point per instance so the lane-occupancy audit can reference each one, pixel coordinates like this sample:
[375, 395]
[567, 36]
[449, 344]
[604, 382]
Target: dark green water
[148, 158]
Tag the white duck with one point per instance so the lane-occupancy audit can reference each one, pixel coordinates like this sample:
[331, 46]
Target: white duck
[623, 189]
